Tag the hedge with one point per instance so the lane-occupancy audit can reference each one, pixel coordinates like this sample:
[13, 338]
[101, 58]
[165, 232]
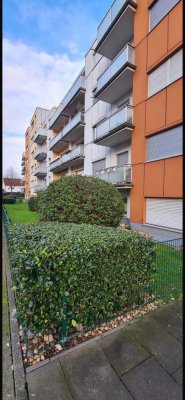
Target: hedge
[81, 199]
[32, 203]
[98, 269]
[9, 200]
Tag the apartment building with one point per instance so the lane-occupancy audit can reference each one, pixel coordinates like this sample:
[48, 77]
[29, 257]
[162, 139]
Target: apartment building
[23, 165]
[121, 120]
[133, 111]
[67, 124]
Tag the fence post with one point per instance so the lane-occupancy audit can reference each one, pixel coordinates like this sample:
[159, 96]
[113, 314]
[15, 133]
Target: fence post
[63, 326]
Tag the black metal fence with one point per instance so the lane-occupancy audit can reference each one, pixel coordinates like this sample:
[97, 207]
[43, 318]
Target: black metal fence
[166, 286]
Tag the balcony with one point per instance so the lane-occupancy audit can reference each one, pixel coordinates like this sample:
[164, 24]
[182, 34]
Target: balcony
[40, 154]
[116, 28]
[116, 129]
[71, 159]
[119, 176]
[57, 143]
[40, 171]
[39, 188]
[40, 136]
[68, 105]
[74, 129]
[117, 79]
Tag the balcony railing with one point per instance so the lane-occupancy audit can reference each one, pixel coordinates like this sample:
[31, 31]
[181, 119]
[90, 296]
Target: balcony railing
[55, 140]
[72, 123]
[39, 188]
[55, 163]
[41, 170]
[115, 121]
[77, 152]
[40, 135]
[119, 175]
[126, 55]
[41, 153]
[109, 18]
[79, 84]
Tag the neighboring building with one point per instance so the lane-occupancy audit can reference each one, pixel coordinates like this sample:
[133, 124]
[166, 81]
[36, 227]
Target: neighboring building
[67, 124]
[23, 164]
[27, 163]
[11, 185]
[122, 118]
[36, 152]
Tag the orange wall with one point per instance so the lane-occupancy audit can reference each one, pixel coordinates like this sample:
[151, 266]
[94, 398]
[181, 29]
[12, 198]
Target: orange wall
[161, 111]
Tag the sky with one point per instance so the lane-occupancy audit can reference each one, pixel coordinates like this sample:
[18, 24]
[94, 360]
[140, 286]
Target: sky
[44, 43]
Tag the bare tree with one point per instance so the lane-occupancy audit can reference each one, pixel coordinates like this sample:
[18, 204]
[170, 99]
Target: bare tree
[11, 175]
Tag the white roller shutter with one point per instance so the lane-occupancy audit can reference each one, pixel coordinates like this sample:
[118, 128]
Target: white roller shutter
[159, 10]
[164, 213]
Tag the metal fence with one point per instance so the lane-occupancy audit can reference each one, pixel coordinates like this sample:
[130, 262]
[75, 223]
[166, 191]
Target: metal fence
[166, 286]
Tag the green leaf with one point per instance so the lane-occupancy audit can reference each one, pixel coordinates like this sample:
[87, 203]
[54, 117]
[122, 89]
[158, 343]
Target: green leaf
[13, 288]
[73, 323]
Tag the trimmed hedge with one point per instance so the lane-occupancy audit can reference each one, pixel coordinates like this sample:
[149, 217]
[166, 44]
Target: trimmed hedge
[81, 199]
[32, 203]
[98, 269]
[9, 200]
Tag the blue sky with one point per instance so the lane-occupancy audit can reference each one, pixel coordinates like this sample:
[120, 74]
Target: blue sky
[44, 43]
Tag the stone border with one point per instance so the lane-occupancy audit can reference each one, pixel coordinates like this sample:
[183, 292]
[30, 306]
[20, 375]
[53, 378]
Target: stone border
[18, 368]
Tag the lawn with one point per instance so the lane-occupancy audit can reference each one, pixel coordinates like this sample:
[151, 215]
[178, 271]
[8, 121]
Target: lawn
[20, 214]
[168, 276]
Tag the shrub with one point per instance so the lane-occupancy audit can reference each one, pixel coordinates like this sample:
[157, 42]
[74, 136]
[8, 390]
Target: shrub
[82, 199]
[32, 203]
[98, 269]
[9, 200]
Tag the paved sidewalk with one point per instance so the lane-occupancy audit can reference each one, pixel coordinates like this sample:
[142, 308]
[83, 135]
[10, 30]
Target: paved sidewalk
[142, 361]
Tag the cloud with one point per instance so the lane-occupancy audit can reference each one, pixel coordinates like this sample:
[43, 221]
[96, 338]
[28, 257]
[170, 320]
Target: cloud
[30, 79]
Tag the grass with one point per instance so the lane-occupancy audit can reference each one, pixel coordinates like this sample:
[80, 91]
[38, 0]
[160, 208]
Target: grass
[20, 214]
[168, 275]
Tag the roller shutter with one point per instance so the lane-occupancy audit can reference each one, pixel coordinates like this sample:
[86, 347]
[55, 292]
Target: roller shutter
[159, 10]
[164, 213]
[98, 165]
[165, 144]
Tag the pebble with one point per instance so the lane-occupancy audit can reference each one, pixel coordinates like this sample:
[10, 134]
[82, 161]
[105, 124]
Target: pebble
[58, 347]
[35, 351]
[42, 357]
[50, 338]
[46, 338]
[20, 333]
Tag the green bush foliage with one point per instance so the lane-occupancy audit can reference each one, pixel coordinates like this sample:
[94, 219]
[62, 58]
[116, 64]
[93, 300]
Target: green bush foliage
[81, 199]
[32, 203]
[9, 200]
[98, 269]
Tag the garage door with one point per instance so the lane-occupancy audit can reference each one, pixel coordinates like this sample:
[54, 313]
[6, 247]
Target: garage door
[164, 213]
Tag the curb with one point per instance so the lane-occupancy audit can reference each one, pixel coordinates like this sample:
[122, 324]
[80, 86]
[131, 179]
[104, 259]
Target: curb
[18, 368]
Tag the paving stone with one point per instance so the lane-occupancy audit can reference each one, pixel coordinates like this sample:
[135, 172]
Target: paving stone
[177, 375]
[149, 381]
[165, 348]
[91, 377]
[170, 318]
[123, 351]
[48, 382]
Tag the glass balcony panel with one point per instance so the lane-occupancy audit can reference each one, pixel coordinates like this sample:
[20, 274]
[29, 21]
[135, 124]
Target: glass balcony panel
[102, 129]
[114, 121]
[116, 175]
[104, 26]
[116, 7]
[77, 152]
[55, 163]
[72, 123]
[118, 119]
[77, 85]
[56, 139]
[127, 54]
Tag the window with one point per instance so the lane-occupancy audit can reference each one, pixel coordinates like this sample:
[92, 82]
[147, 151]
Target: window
[165, 144]
[122, 158]
[159, 10]
[165, 74]
[164, 213]
[98, 165]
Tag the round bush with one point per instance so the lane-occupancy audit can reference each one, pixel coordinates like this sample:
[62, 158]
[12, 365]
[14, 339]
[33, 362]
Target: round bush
[32, 203]
[81, 199]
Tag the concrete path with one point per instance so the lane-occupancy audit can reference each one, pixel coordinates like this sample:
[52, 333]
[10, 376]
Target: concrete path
[142, 361]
